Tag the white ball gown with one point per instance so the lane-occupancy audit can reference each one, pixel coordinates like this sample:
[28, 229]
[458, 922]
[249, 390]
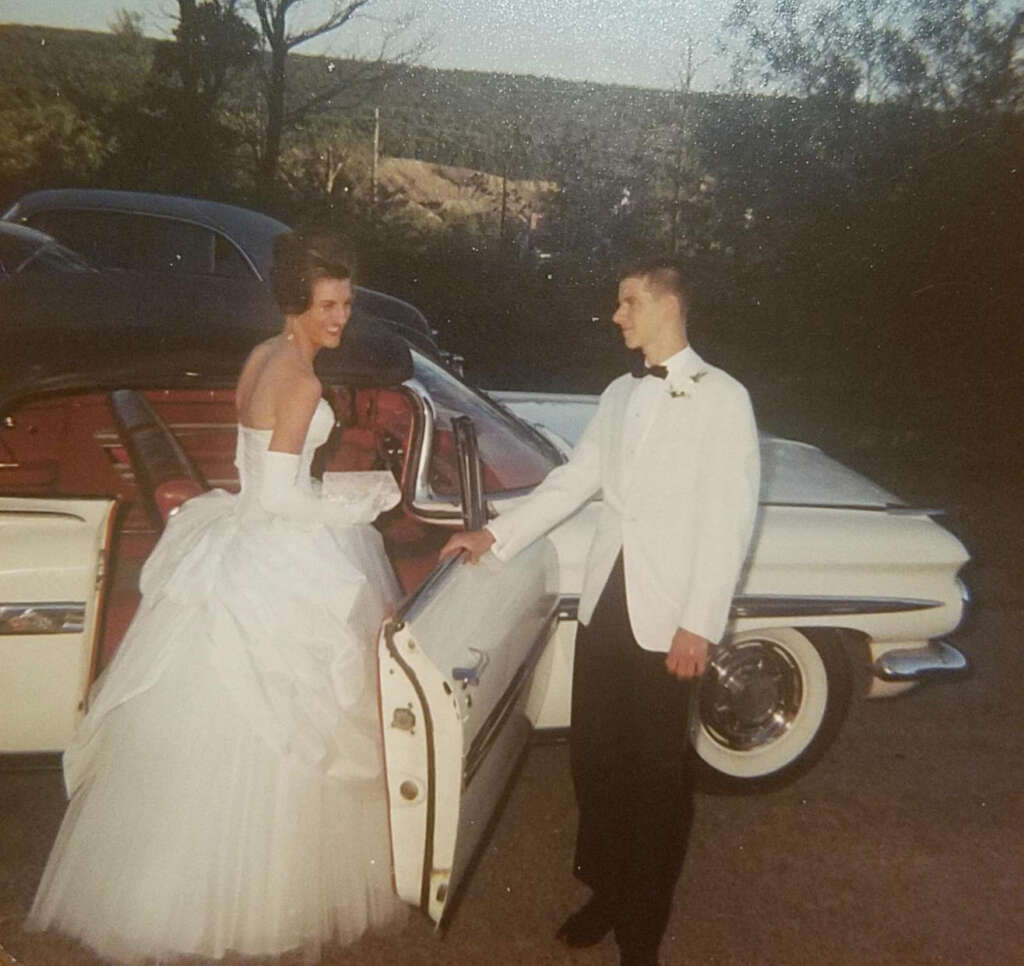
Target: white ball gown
[226, 787]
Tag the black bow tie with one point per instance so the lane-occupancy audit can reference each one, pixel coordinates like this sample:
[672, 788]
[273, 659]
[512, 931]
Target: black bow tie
[659, 372]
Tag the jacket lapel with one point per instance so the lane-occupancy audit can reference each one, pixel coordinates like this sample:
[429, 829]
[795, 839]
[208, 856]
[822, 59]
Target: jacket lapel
[615, 473]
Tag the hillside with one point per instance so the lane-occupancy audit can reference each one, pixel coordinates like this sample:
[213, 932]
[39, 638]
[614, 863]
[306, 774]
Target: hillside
[472, 119]
[442, 195]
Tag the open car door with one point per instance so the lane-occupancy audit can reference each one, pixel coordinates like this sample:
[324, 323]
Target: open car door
[53, 555]
[455, 664]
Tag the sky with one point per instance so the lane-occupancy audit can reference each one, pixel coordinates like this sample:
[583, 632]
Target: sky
[639, 43]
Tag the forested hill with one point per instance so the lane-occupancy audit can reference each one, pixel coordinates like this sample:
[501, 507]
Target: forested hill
[454, 117]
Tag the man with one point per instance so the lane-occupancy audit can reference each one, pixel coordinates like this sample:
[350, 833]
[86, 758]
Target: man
[673, 449]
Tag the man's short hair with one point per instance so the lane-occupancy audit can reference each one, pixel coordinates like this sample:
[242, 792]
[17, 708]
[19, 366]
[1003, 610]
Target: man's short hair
[663, 274]
[301, 258]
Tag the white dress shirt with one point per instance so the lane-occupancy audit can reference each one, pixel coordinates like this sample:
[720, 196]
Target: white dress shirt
[643, 405]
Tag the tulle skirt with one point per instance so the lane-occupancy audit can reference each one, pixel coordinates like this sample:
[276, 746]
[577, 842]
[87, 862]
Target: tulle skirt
[226, 785]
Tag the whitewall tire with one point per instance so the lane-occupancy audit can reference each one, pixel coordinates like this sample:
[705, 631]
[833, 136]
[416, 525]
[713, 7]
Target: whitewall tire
[770, 704]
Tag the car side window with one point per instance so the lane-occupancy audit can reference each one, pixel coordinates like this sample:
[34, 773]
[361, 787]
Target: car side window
[103, 237]
[228, 261]
[144, 243]
[175, 247]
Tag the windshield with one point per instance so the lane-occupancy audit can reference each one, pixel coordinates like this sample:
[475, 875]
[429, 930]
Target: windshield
[22, 249]
[55, 258]
[514, 457]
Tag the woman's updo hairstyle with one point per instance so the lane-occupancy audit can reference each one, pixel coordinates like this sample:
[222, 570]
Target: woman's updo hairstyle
[300, 259]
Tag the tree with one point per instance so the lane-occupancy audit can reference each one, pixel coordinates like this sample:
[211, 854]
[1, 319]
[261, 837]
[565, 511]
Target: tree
[932, 53]
[68, 100]
[353, 79]
[212, 41]
[185, 139]
[891, 214]
[48, 144]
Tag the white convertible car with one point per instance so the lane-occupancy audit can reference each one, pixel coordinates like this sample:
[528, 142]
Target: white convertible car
[97, 447]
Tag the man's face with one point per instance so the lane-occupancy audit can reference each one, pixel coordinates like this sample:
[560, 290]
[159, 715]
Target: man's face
[645, 315]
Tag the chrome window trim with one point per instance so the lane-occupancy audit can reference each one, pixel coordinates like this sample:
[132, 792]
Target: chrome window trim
[423, 502]
[411, 607]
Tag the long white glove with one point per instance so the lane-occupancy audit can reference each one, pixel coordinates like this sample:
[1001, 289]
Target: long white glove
[360, 501]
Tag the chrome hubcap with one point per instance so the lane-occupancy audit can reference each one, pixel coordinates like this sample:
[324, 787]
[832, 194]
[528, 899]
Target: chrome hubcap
[751, 694]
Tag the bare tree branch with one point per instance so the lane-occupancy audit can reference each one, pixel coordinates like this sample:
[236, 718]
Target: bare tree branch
[273, 19]
[339, 18]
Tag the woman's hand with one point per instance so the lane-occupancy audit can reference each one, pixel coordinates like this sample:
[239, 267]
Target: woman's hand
[475, 542]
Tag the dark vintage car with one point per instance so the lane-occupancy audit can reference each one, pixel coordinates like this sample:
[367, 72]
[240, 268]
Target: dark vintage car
[186, 259]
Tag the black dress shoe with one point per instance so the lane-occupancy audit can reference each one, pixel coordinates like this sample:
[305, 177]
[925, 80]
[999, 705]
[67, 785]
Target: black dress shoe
[588, 925]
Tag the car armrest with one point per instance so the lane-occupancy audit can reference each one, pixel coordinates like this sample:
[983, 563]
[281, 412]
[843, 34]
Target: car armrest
[165, 477]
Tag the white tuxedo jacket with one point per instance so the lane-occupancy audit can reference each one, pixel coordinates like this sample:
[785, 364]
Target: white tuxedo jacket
[682, 513]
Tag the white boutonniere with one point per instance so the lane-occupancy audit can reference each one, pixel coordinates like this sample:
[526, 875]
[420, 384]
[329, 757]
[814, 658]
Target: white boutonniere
[687, 386]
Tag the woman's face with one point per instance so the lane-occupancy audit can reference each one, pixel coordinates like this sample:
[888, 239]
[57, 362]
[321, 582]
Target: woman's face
[328, 312]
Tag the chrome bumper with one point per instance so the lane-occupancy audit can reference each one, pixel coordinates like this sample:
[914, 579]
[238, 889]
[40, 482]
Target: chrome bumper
[935, 659]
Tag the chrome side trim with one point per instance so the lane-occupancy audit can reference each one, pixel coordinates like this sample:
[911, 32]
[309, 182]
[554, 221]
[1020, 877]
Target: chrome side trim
[894, 509]
[43, 515]
[56, 617]
[935, 659]
[772, 605]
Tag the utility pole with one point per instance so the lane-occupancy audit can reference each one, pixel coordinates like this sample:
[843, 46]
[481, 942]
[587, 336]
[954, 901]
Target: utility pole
[376, 156]
[504, 200]
[682, 167]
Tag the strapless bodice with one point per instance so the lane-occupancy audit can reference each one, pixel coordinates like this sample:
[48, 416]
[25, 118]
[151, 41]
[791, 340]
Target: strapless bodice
[253, 443]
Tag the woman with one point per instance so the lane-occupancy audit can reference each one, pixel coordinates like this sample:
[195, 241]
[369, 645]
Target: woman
[226, 787]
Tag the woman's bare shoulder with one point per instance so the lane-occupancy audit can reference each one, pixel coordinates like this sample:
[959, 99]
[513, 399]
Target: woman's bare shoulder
[297, 385]
[260, 354]
[269, 374]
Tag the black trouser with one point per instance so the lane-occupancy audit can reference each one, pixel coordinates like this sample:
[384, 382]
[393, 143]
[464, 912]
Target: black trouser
[632, 770]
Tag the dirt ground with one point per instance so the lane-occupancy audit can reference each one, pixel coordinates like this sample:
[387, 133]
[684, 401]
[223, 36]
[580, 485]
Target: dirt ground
[903, 846]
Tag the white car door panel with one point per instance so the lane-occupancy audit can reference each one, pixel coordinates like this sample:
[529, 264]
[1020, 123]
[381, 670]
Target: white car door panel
[455, 668]
[52, 564]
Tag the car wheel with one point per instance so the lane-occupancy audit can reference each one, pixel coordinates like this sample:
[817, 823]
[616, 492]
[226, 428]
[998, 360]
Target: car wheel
[770, 704]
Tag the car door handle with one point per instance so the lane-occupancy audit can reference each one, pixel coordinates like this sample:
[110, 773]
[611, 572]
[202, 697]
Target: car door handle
[471, 675]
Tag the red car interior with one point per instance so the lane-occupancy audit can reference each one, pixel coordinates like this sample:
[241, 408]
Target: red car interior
[153, 450]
